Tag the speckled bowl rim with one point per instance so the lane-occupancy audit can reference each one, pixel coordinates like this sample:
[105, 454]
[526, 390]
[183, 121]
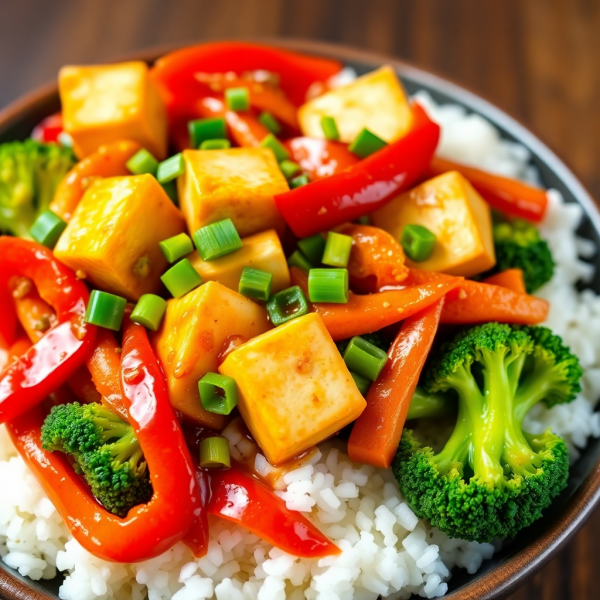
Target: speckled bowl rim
[507, 576]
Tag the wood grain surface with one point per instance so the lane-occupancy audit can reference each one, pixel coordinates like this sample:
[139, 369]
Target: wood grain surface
[537, 59]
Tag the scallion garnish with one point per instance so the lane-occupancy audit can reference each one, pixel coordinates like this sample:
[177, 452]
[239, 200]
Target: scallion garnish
[364, 359]
[142, 162]
[149, 311]
[287, 305]
[255, 283]
[207, 129]
[313, 247]
[328, 285]
[330, 129]
[170, 169]
[237, 99]
[176, 247]
[214, 452]
[47, 228]
[297, 259]
[366, 143]
[105, 310]
[270, 122]
[418, 242]
[217, 239]
[218, 393]
[337, 249]
[270, 141]
[181, 278]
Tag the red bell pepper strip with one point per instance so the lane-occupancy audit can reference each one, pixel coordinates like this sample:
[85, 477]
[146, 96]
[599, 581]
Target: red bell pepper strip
[473, 302]
[320, 158]
[376, 433]
[149, 529]
[365, 314]
[510, 278]
[366, 186]
[507, 195]
[376, 259]
[239, 498]
[63, 349]
[175, 73]
[49, 129]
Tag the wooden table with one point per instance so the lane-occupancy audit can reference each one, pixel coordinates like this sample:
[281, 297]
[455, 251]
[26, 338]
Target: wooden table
[537, 59]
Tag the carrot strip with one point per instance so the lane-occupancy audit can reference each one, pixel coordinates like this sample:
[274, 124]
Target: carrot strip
[510, 278]
[472, 302]
[108, 161]
[365, 314]
[502, 193]
[376, 433]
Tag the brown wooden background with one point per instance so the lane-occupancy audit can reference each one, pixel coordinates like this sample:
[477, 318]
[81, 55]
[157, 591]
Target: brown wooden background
[537, 59]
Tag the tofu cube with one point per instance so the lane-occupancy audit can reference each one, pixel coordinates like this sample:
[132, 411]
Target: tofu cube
[108, 103]
[376, 101]
[294, 389]
[448, 206]
[238, 183]
[196, 329]
[261, 251]
[114, 233]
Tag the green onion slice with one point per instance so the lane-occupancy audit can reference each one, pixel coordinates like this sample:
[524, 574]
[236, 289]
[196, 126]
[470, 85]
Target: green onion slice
[215, 145]
[362, 383]
[217, 239]
[170, 169]
[270, 122]
[297, 259]
[289, 168]
[366, 143]
[418, 242]
[337, 249]
[47, 228]
[237, 99]
[255, 283]
[176, 247]
[105, 310]
[287, 305]
[299, 181]
[181, 278]
[207, 129]
[214, 453]
[270, 141]
[330, 129]
[149, 311]
[313, 247]
[218, 393]
[142, 162]
[364, 359]
[328, 285]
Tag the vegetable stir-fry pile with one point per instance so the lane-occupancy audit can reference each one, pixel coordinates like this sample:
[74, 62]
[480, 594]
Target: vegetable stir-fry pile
[243, 239]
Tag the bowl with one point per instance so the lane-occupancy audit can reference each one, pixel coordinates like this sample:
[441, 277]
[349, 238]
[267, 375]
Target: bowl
[533, 547]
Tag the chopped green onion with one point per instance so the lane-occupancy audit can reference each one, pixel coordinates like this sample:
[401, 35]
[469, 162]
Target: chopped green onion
[337, 249]
[218, 393]
[289, 168]
[328, 285]
[330, 129]
[105, 310]
[176, 247]
[313, 247]
[181, 278]
[237, 99]
[270, 141]
[170, 169]
[366, 143]
[142, 162]
[215, 145]
[418, 242]
[297, 259]
[299, 181]
[287, 305]
[149, 311]
[255, 283]
[170, 190]
[362, 384]
[206, 129]
[214, 452]
[270, 122]
[217, 239]
[364, 220]
[47, 228]
[364, 359]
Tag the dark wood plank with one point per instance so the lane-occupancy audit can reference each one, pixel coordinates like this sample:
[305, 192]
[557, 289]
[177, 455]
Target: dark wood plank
[537, 59]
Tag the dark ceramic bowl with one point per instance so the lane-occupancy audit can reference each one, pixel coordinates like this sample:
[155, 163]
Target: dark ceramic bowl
[534, 546]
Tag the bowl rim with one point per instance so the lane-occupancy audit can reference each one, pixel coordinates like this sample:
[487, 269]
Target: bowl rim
[500, 581]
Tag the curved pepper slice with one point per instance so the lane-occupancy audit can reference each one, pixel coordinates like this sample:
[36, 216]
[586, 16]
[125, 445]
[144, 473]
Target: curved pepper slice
[63, 349]
[377, 432]
[366, 186]
[149, 529]
[372, 312]
[239, 498]
[320, 158]
[108, 161]
[501, 193]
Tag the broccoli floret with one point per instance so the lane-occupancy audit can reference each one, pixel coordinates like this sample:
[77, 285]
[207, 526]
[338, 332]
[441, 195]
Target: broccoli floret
[518, 245]
[105, 450]
[491, 479]
[425, 405]
[30, 172]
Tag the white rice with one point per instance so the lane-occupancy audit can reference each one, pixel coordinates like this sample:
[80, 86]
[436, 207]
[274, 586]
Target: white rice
[387, 550]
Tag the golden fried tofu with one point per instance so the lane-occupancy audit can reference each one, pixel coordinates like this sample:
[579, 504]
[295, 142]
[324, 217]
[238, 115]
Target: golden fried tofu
[114, 233]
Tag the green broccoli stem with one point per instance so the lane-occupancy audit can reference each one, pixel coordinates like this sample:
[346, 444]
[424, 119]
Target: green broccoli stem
[456, 451]
[425, 405]
[127, 449]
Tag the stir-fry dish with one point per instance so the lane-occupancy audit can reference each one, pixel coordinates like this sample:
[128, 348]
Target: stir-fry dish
[262, 337]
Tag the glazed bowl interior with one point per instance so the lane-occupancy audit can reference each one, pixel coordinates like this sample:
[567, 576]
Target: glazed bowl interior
[522, 556]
